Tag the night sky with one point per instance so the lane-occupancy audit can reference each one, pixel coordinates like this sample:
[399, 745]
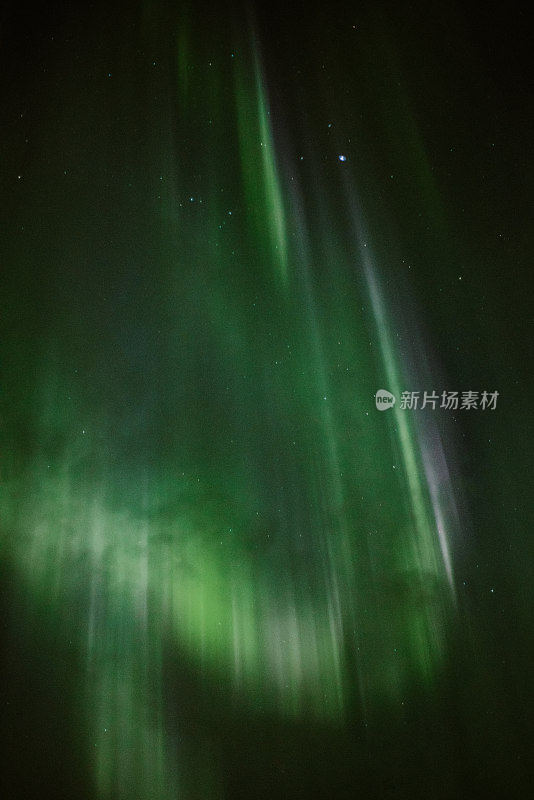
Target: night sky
[227, 572]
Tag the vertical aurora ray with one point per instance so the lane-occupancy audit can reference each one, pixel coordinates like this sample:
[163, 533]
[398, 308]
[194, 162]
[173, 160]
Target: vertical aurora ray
[425, 557]
[424, 527]
[263, 196]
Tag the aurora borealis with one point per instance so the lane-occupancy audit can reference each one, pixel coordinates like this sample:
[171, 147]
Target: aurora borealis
[227, 574]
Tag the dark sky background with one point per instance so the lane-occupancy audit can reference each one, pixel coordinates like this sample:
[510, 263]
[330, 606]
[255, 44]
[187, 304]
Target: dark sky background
[140, 332]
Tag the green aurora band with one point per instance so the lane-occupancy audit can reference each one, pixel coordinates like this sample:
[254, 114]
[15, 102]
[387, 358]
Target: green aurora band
[210, 481]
